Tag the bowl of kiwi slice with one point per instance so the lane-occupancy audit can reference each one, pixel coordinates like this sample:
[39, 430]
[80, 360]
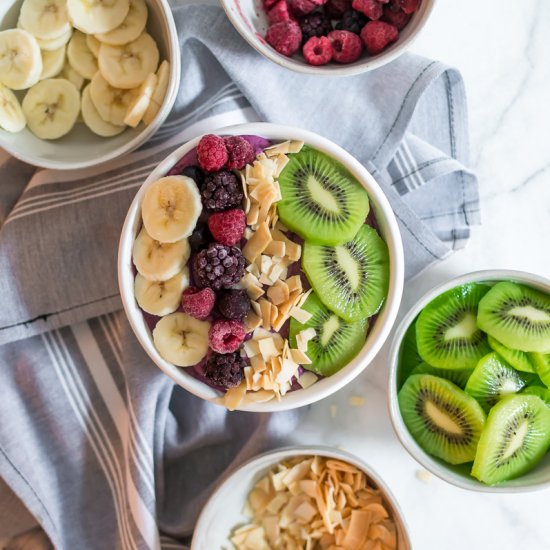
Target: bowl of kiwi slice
[469, 393]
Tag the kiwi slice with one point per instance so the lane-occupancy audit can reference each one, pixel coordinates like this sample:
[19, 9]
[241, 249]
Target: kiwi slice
[541, 392]
[456, 376]
[444, 420]
[336, 342]
[541, 362]
[446, 330]
[321, 201]
[515, 438]
[492, 379]
[408, 355]
[516, 315]
[517, 359]
[351, 279]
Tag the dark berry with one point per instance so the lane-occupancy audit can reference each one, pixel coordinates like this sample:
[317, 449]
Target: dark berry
[376, 35]
[225, 336]
[195, 173]
[285, 37]
[347, 46]
[352, 21]
[225, 370]
[239, 151]
[234, 303]
[218, 266]
[315, 24]
[317, 51]
[200, 237]
[198, 303]
[228, 227]
[336, 8]
[221, 191]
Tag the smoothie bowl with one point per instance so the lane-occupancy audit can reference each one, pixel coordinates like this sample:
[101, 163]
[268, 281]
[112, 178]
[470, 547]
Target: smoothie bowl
[261, 267]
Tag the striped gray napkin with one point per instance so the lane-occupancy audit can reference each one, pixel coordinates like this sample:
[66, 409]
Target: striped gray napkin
[100, 446]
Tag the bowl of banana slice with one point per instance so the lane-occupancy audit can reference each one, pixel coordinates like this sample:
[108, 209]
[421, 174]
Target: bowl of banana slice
[84, 81]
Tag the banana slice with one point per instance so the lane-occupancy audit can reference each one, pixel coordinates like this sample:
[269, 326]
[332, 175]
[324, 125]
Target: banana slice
[81, 58]
[138, 106]
[181, 339]
[20, 59]
[45, 19]
[130, 28]
[55, 43]
[157, 99]
[97, 16]
[96, 124]
[93, 44]
[128, 66]
[160, 297]
[52, 62]
[158, 261]
[12, 117]
[51, 108]
[68, 73]
[170, 208]
[111, 103]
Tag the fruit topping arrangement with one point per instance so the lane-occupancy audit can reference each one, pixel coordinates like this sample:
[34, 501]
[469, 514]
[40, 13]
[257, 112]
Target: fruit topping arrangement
[335, 30]
[76, 57]
[256, 267]
[474, 375]
[316, 502]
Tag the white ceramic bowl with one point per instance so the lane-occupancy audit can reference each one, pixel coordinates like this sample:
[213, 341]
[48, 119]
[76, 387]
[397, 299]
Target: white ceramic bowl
[377, 335]
[537, 478]
[223, 511]
[250, 20]
[81, 148]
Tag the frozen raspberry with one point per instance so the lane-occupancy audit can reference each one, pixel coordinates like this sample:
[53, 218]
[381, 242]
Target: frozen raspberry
[239, 151]
[221, 191]
[198, 303]
[317, 51]
[315, 24]
[225, 336]
[409, 6]
[377, 35]
[268, 4]
[234, 304]
[279, 12]
[225, 370]
[346, 46]
[352, 21]
[371, 8]
[285, 37]
[336, 8]
[303, 7]
[212, 153]
[218, 266]
[227, 227]
[398, 19]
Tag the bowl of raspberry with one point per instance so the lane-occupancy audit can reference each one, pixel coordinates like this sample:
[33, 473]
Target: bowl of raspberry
[329, 37]
[261, 267]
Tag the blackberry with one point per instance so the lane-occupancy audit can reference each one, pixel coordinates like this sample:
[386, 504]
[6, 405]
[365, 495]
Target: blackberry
[234, 304]
[200, 237]
[315, 24]
[218, 266]
[225, 370]
[352, 21]
[195, 173]
[221, 191]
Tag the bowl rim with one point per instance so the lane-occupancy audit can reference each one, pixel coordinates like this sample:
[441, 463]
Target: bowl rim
[255, 464]
[403, 434]
[174, 57]
[235, 15]
[376, 338]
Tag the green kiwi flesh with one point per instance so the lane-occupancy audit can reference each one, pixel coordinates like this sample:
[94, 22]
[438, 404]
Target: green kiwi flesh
[541, 361]
[515, 438]
[321, 201]
[517, 316]
[456, 376]
[539, 391]
[408, 355]
[517, 359]
[444, 420]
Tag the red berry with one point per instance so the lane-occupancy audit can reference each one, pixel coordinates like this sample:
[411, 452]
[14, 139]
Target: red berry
[227, 227]
[285, 37]
[268, 4]
[198, 303]
[409, 6]
[303, 7]
[317, 50]
[239, 151]
[336, 8]
[226, 336]
[347, 46]
[398, 19]
[377, 35]
[279, 12]
[371, 8]
[212, 153]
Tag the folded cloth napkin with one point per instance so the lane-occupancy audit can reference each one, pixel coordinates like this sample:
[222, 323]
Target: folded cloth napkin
[102, 447]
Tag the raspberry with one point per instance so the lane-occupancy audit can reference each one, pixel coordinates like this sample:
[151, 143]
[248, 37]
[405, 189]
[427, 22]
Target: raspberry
[218, 266]
[221, 191]
[303, 7]
[409, 6]
[371, 8]
[377, 35]
[352, 21]
[225, 370]
[234, 304]
[398, 19]
[240, 152]
[212, 153]
[315, 24]
[199, 237]
[268, 4]
[279, 12]
[346, 46]
[317, 51]
[225, 336]
[285, 37]
[198, 303]
[336, 8]
[227, 227]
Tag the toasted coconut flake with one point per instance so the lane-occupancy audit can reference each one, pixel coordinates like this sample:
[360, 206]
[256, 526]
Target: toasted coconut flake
[257, 243]
[276, 248]
[295, 146]
[307, 379]
[234, 396]
[294, 283]
[252, 321]
[298, 356]
[301, 315]
[279, 149]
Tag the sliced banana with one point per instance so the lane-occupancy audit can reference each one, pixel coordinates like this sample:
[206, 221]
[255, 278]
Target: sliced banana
[138, 106]
[52, 62]
[93, 44]
[20, 59]
[128, 66]
[68, 73]
[170, 208]
[161, 297]
[81, 58]
[157, 99]
[96, 124]
[181, 339]
[158, 261]
[12, 117]
[55, 43]
[51, 108]
[97, 16]
[45, 19]
[130, 28]
[111, 103]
